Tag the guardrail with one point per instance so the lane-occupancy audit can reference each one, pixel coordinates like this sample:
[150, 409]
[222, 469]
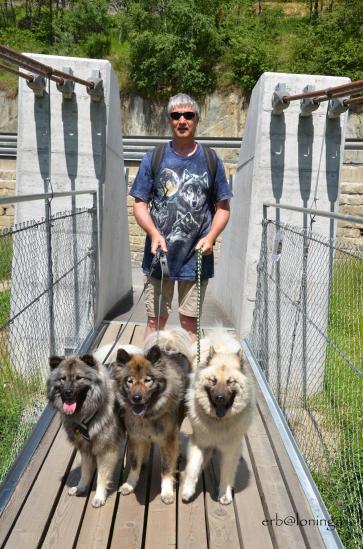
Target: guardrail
[134, 147]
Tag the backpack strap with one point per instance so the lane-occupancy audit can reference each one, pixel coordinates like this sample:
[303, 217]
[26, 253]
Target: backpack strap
[211, 158]
[158, 154]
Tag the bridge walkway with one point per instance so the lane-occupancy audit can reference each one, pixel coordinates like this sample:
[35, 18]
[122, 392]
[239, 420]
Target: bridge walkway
[40, 513]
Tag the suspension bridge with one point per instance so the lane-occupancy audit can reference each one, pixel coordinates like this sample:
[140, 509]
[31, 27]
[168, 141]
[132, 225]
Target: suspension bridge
[288, 288]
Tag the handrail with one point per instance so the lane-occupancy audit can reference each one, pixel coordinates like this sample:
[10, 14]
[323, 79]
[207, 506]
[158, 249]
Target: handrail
[134, 147]
[310, 211]
[30, 197]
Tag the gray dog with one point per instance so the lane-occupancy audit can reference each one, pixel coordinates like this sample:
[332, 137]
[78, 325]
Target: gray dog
[84, 394]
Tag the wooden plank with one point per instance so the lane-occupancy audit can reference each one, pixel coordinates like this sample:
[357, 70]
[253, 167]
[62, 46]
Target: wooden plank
[301, 505]
[129, 519]
[138, 336]
[222, 525]
[96, 526]
[161, 518]
[64, 525]
[248, 506]
[26, 481]
[191, 527]
[110, 333]
[34, 516]
[273, 491]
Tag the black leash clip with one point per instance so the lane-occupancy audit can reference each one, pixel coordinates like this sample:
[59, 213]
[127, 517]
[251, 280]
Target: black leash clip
[163, 260]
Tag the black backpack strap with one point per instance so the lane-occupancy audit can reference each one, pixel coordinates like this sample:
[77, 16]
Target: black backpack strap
[157, 157]
[211, 157]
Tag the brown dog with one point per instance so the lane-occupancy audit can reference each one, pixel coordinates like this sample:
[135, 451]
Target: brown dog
[152, 389]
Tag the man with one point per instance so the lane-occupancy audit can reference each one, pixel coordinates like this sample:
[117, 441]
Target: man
[189, 208]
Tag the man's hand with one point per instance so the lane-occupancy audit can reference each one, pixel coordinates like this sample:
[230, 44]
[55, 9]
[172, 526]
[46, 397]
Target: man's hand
[158, 241]
[205, 244]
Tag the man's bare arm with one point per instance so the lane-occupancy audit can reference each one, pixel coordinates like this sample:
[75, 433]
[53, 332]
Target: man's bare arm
[219, 222]
[143, 219]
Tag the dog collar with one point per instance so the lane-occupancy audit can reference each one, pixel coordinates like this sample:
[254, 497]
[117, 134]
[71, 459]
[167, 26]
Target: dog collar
[81, 428]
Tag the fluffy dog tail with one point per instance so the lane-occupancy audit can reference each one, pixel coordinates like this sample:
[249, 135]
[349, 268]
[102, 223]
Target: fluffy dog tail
[175, 340]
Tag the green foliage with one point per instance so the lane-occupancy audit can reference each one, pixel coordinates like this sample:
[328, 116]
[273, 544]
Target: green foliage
[170, 50]
[161, 47]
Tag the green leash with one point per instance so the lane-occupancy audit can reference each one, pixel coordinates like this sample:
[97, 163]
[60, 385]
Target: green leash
[199, 277]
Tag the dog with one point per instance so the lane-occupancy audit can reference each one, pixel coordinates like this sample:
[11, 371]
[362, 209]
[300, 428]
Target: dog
[152, 387]
[220, 406]
[103, 353]
[82, 391]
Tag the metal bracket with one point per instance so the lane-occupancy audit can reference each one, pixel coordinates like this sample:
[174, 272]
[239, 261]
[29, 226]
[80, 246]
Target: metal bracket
[96, 92]
[278, 105]
[307, 105]
[336, 107]
[67, 88]
[38, 85]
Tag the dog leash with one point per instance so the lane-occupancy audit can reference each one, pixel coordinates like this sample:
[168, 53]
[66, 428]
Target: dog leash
[160, 257]
[199, 277]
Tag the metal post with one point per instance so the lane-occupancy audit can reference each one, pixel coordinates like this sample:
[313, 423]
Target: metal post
[48, 225]
[278, 320]
[304, 284]
[265, 336]
[96, 259]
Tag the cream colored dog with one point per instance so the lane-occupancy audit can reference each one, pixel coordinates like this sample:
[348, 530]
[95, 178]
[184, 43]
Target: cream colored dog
[220, 406]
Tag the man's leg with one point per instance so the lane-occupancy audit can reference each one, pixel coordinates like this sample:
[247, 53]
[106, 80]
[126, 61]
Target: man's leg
[158, 306]
[153, 324]
[188, 299]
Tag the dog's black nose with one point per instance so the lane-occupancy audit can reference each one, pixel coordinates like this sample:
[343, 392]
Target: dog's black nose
[220, 399]
[137, 398]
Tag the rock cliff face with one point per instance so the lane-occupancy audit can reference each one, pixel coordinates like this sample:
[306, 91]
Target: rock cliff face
[222, 115]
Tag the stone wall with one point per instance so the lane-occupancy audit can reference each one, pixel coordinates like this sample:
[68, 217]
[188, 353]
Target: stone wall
[7, 188]
[351, 203]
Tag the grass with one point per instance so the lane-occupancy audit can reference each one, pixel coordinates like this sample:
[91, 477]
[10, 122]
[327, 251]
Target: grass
[20, 403]
[341, 402]
[6, 254]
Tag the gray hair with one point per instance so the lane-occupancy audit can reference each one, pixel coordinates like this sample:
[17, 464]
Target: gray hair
[182, 100]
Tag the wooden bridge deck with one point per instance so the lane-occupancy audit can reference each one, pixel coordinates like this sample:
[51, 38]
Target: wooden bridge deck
[41, 513]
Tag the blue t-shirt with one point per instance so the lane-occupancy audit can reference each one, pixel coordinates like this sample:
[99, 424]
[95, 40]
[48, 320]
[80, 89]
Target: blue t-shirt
[182, 200]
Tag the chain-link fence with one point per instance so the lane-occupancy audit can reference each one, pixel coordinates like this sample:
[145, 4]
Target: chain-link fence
[47, 295]
[307, 337]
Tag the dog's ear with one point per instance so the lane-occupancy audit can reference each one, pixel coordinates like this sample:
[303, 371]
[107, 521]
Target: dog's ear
[153, 354]
[54, 361]
[211, 354]
[89, 360]
[122, 356]
[242, 359]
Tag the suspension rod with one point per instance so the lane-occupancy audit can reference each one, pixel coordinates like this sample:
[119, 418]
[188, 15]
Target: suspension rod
[353, 101]
[25, 64]
[27, 77]
[41, 68]
[344, 89]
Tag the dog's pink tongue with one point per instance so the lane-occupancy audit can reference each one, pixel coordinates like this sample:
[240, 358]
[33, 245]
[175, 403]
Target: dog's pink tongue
[69, 407]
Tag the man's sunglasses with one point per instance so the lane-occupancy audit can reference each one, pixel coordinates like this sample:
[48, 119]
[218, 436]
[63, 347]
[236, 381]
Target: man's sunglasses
[188, 115]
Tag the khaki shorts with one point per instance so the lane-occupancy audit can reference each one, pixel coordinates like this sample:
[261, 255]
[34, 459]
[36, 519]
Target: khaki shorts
[187, 294]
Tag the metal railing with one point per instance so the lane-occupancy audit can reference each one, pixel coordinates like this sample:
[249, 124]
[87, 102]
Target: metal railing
[135, 147]
[48, 285]
[307, 338]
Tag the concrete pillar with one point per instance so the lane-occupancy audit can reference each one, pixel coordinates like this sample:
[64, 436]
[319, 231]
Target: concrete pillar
[70, 142]
[284, 158]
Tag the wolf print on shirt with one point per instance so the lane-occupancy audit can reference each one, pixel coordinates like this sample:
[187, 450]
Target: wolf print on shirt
[182, 227]
[179, 209]
[192, 192]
